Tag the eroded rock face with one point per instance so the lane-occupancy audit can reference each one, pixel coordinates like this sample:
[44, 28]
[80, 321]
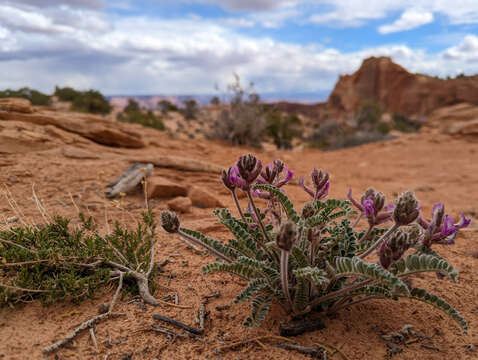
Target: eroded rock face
[398, 90]
[460, 119]
[92, 127]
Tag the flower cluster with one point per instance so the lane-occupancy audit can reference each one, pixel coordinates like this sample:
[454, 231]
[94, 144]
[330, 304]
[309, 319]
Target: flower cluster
[316, 260]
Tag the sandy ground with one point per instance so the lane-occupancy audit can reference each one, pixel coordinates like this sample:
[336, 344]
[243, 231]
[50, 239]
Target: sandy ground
[438, 168]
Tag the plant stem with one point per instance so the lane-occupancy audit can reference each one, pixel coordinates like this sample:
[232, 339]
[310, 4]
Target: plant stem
[207, 247]
[338, 293]
[366, 235]
[379, 241]
[284, 274]
[236, 201]
[259, 220]
[357, 220]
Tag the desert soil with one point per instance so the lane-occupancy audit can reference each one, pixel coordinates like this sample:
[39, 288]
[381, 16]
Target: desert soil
[437, 168]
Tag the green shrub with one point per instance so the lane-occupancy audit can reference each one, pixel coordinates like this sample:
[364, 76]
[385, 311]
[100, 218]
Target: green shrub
[404, 124]
[36, 97]
[166, 106]
[58, 262]
[144, 118]
[282, 128]
[369, 115]
[215, 100]
[91, 101]
[66, 93]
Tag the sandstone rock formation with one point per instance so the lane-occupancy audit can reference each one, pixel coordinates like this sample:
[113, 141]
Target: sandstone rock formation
[204, 198]
[398, 90]
[181, 204]
[460, 119]
[92, 127]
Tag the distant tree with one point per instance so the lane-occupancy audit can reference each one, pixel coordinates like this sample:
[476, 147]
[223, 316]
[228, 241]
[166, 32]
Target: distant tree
[36, 97]
[190, 109]
[215, 100]
[404, 124]
[166, 106]
[91, 101]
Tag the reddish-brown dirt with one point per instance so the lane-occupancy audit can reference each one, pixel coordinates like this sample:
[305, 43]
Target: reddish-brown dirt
[438, 168]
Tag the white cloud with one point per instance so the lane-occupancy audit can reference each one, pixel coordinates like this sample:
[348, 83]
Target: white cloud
[467, 50]
[409, 19]
[91, 4]
[81, 48]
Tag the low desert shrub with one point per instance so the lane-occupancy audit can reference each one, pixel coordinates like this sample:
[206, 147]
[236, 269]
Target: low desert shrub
[283, 128]
[36, 97]
[58, 261]
[315, 260]
[91, 101]
[133, 114]
[166, 106]
[242, 121]
[404, 124]
[190, 109]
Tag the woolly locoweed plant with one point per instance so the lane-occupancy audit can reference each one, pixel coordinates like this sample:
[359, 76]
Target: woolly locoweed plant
[316, 260]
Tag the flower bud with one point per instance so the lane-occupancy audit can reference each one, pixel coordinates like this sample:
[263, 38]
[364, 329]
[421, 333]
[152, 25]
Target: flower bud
[226, 179]
[169, 221]
[319, 178]
[406, 210]
[378, 202]
[249, 167]
[394, 248]
[308, 210]
[286, 237]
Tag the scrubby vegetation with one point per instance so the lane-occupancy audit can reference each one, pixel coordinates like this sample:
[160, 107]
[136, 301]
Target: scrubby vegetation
[133, 114]
[36, 97]
[59, 261]
[315, 260]
[190, 109]
[90, 101]
[166, 106]
[283, 128]
[242, 121]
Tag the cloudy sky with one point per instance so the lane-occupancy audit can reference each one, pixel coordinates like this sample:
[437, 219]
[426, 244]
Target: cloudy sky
[187, 46]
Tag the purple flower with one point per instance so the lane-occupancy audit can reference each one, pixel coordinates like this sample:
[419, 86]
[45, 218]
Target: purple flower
[441, 229]
[321, 183]
[368, 208]
[226, 179]
[372, 205]
[237, 180]
[272, 174]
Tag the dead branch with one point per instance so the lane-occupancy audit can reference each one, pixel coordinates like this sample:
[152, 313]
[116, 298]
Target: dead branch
[317, 352]
[251, 340]
[129, 179]
[178, 324]
[89, 323]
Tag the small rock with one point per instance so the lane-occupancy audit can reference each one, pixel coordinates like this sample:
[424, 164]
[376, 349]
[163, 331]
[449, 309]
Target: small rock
[158, 187]
[203, 198]
[181, 203]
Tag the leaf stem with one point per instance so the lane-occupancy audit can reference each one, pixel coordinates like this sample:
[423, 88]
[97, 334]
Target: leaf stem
[284, 274]
[379, 241]
[259, 220]
[236, 201]
[207, 247]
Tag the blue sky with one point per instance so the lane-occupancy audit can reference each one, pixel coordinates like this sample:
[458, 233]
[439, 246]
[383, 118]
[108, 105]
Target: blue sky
[188, 46]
